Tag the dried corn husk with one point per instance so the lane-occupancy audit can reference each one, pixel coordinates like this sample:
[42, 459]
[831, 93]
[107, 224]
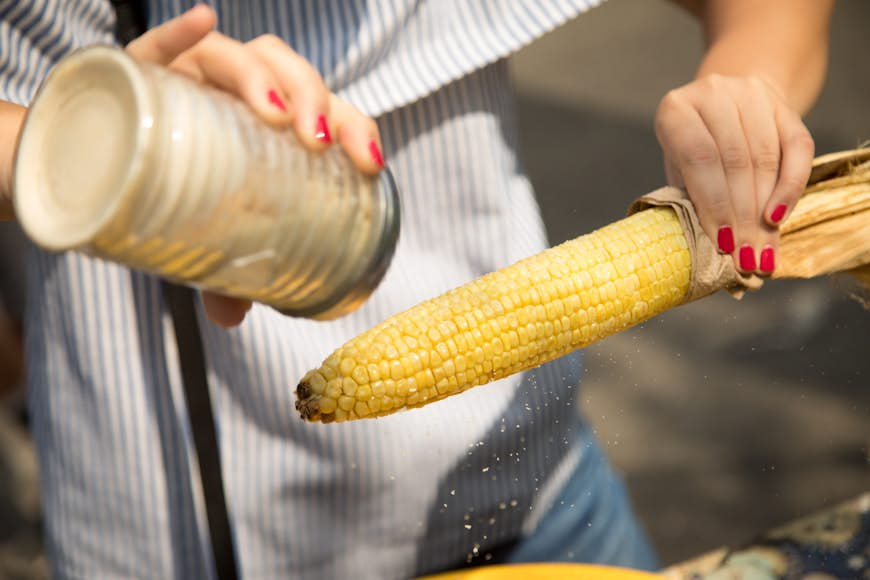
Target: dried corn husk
[829, 229]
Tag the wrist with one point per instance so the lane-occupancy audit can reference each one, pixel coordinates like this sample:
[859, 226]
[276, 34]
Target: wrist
[794, 73]
[11, 119]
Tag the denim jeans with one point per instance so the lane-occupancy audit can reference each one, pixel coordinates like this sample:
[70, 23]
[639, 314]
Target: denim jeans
[591, 520]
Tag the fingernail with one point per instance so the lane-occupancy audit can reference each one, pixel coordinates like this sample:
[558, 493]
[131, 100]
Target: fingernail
[778, 213]
[321, 130]
[725, 238]
[377, 156]
[768, 261]
[277, 101]
[747, 258]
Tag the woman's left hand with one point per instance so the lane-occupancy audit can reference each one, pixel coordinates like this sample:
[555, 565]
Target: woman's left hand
[744, 157]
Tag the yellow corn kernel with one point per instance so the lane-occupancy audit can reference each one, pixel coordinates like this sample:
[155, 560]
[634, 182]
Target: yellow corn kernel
[507, 321]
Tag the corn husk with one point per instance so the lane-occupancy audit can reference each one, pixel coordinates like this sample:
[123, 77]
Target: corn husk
[829, 229]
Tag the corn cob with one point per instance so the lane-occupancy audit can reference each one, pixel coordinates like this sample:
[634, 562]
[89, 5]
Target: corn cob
[507, 321]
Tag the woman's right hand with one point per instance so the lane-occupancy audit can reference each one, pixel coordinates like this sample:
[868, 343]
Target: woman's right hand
[277, 83]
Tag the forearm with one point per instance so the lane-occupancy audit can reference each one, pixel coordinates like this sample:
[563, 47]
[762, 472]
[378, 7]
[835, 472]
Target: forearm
[782, 41]
[11, 118]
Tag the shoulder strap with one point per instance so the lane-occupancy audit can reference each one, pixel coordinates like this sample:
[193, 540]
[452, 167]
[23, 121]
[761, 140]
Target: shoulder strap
[182, 307]
[131, 19]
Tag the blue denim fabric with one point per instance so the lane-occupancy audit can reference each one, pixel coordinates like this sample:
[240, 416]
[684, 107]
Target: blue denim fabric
[591, 521]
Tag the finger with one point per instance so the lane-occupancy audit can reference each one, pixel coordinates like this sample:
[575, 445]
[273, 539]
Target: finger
[358, 135]
[798, 150]
[758, 119]
[767, 255]
[767, 250]
[694, 156]
[229, 65]
[672, 174]
[224, 310]
[308, 95]
[722, 119]
[166, 42]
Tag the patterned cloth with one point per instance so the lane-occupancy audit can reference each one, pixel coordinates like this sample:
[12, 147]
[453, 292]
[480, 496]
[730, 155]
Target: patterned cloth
[377, 499]
[830, 545]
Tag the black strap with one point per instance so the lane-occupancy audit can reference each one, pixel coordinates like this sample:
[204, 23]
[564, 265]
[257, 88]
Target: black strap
[182, 307]
[131, 21]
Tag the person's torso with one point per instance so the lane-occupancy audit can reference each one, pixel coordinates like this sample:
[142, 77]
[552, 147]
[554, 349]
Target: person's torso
[415, 491]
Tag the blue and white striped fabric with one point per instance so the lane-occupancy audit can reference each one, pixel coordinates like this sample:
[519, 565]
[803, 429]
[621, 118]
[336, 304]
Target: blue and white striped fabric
[412, 493]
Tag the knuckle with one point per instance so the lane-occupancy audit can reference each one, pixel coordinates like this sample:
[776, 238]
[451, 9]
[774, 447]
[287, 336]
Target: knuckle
[672, 102]
[713, 208]
[792, 185]
[735, 158]
[700, 154]
[758, 85]
[770, 238]
[747, 227]
[803, 141]
[714, 81]
[766, 160]
[755, 82]
[269, 41]
[672, 97]
[719, 207]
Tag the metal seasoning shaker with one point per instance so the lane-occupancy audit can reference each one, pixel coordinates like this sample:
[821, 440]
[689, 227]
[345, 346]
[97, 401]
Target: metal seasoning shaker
[133, 163]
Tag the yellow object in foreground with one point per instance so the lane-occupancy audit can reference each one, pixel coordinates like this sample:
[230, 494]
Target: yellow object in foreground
[544, 572]
[507, 321]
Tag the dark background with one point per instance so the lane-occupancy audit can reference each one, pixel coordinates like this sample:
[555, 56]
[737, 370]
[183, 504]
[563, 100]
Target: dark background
[725, 417]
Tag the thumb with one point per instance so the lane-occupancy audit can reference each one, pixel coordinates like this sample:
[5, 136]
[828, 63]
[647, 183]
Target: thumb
[224, 310]
[164, 43]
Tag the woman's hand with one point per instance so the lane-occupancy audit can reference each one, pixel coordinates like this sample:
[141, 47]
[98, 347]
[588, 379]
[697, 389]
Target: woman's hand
[734, 137]
[744, 157]
[278, 84]
[11, 119]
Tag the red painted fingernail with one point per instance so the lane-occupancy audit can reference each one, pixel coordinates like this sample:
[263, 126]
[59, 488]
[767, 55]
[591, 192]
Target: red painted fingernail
[321, 130]
[377, 156]
[725, 238]
[277, 101]
[747, 258]
[768, 261]
[778, 213]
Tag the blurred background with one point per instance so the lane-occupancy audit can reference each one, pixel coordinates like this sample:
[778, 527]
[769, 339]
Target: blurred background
[725, 417]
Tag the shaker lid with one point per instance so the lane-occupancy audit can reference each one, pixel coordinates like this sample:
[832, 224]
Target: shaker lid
[80, 151]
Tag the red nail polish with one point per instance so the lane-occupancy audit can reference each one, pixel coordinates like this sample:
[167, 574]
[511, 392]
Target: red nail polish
[725, 238]
[768, 261]
[276, 100]
[747, 258]
[321, 130]
[377, 156]
[778, 213]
